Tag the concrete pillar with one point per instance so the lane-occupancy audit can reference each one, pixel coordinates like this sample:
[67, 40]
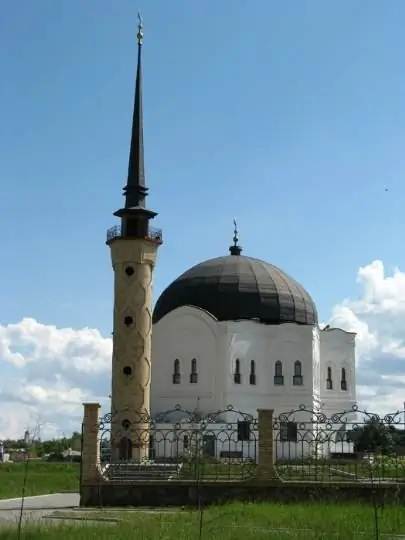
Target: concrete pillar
[267, 454]
[133, 260]
[90, 443]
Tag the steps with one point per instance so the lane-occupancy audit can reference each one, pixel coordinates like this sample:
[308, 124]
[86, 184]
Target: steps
[128, 471]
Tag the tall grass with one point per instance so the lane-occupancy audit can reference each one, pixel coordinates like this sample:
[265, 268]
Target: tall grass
[232, 521]
[37, 478]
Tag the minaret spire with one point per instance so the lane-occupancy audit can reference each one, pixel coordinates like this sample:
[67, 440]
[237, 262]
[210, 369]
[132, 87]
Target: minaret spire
[134, 247]
[135, 216]
[135, 191]
[235, 249]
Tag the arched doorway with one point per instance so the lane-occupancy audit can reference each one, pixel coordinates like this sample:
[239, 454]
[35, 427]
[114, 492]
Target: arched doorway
[125, 449]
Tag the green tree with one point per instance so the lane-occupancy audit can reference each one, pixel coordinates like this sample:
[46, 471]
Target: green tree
[373, 436]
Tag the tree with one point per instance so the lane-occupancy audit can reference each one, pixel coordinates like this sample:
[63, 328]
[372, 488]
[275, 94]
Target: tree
[373, 436]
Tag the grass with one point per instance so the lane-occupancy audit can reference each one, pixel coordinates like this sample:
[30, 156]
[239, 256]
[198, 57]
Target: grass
[50, 477]
[343, 470]
[218, 471]
[234, 521]
[42, 478]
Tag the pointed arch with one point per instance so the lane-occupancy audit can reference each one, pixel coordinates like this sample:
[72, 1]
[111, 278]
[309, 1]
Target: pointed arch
[343, 380]
[194, 372]
[329, 379]
[176, 372]
[125, 449]
[278, 373]
[237, 377]
[252, 376]
[297, 377]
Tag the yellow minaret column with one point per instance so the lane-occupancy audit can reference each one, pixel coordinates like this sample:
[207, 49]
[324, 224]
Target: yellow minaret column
[134, 247]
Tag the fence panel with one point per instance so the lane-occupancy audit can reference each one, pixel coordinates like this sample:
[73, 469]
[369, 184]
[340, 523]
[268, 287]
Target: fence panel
[180, 445]
[352, 445]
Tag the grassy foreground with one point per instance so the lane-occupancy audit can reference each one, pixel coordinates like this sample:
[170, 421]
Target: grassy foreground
[41, 478]
[233, 521]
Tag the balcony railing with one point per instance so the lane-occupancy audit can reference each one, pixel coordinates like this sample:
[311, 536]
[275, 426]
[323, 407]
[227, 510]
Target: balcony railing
[154, 235]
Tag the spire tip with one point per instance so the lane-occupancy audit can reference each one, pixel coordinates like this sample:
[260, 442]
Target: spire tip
[140, 29]
[235, 249]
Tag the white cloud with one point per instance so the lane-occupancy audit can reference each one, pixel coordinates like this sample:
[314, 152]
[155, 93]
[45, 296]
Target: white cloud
[378, 318]
[47, 372]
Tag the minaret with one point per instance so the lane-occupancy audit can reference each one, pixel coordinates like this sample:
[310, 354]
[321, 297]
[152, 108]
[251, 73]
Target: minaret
[134, 247]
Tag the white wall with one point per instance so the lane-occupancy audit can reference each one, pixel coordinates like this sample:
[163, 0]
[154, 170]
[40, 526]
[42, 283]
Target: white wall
[337, 348]
[287, 343]
[188, 333]
[184, 334]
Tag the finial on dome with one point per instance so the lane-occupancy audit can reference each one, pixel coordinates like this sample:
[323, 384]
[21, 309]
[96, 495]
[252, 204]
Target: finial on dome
[140, 29]
[235, 249]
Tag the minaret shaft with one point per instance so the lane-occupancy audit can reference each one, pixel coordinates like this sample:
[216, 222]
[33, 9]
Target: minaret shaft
[133, 262]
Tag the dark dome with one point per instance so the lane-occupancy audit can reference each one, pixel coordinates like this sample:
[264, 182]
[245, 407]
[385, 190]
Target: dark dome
[236, 287]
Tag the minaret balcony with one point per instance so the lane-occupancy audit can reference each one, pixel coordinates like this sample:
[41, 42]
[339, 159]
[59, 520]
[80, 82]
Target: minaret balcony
[153, 235]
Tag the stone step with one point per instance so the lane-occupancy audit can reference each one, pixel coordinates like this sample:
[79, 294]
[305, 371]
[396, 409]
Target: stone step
[140, 471]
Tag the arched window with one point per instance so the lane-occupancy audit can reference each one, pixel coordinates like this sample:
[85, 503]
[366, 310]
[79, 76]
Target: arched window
[297, 377]
[194, 374]
[278, 373]
[329, 381]
[252, 376]
[237, 377]
[343, 381]
[176, 372]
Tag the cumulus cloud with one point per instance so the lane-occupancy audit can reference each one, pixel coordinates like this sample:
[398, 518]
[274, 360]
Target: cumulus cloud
[378, 318]
[47, 372]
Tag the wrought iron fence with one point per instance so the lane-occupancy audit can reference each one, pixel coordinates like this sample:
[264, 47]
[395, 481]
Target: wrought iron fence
[352, 445]
[179, 445]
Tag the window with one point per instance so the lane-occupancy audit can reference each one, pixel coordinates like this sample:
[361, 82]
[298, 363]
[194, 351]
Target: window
[278, 374]
[176, 372]
[252, 376]
[244, 431]
[193, 374]
[297, 378]
[237, 378]
[288, 432]
[126, 424]
[185, 442]
[329, 381]
[343, 381]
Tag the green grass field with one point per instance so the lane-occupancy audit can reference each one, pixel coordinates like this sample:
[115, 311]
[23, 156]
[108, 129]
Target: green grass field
[41, 478]
[340, 470]
[233, 521]
[50, 477]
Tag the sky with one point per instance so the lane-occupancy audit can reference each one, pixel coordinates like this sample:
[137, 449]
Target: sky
[287, 116]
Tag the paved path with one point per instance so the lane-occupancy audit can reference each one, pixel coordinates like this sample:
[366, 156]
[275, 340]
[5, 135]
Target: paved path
[35, 508]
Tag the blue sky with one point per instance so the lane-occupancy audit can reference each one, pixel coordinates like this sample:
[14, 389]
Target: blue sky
[287, 116]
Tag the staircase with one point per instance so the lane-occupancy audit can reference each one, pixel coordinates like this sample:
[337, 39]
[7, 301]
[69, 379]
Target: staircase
[127, 471]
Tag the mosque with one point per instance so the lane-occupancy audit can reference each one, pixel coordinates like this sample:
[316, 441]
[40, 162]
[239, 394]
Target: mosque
[231, 330]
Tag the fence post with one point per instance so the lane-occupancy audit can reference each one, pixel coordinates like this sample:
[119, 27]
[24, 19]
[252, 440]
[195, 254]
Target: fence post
[90, 443]
[266, 470]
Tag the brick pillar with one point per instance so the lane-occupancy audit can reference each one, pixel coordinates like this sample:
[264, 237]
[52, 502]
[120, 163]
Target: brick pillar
[90, 443]
[266, 470]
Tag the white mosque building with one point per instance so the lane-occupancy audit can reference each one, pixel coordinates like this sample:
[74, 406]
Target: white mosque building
[232, 330]
[235, 330]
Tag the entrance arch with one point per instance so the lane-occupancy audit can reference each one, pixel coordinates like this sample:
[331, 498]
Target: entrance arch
[125, 449]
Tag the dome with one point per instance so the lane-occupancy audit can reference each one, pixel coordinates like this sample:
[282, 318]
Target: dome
[236, 287]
